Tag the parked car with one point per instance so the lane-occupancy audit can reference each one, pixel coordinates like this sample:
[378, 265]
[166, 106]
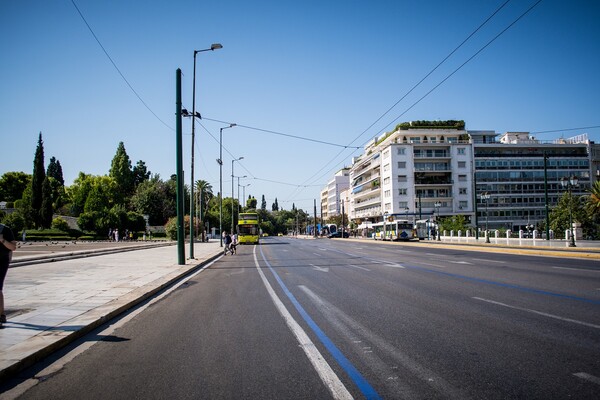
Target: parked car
[337, 234]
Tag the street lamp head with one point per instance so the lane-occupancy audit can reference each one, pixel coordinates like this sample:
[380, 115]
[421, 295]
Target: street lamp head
[573, 180]
[216, 46]
[232, 125]
[241, 158]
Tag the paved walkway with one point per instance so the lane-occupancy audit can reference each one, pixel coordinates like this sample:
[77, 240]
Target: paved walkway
[50, 304]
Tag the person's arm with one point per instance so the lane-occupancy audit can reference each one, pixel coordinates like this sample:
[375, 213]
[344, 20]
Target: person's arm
[11, 245]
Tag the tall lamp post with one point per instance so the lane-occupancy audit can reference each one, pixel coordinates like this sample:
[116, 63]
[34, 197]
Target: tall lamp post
[437, 206]
[569, 184]
[486, 197]
[244, 191]
[213, 47]
[232, 194]
[220, 161]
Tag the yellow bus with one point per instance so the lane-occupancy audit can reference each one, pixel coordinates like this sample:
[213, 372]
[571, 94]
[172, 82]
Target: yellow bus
[248, 229]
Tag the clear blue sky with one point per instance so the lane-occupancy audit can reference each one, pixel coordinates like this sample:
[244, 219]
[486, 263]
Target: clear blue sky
[323, 70]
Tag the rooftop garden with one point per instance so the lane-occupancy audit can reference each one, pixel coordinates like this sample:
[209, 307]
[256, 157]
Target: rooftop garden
[422, 124]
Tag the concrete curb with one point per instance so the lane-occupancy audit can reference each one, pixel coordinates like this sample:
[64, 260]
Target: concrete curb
[114, 309]
[70, 255]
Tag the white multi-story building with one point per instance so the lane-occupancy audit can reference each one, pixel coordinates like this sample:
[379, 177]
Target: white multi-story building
[413, 174]
[420, 172]
[330, 195]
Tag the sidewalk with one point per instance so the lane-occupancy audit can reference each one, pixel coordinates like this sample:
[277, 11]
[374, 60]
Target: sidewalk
[49, 305]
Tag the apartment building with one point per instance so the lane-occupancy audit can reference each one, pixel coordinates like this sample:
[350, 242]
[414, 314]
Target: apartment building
[413, 173]
[417, 172]
[331, 195]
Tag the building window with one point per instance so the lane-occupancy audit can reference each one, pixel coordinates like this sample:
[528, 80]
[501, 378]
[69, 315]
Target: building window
[386, 154]
[462, 190]
[402, 204]
[386, 167]
[401, 151]
[462, 178]
[463, 204]
[386, 181]
[402, 178]
[387, 193]
[415, 139]
[401, 164]
[461, 150]
[387, 206]
[462, 164]
[402, 191]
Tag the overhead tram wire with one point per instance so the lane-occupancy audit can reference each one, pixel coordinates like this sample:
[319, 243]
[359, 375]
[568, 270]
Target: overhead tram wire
[465, 63]
[284, 134]
[567, 130]
[412, 89]
[117, 68]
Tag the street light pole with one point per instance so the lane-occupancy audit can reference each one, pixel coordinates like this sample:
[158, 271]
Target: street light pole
[486, 197]
[569, 184]
[220, 161]
[437, 206]
[214, 46]
[232, 176]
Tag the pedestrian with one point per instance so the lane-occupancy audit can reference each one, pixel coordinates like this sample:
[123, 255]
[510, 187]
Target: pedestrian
[234, 242]
[116, 234]
[227, 243]
[8, 244]
[110, 234]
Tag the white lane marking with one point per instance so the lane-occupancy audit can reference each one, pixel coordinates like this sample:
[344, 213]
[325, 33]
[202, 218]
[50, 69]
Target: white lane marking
[588, 377]
[539, 313]
[317, 254]
[578, 269]
[364, 339]
[317, 268]
[366, 269]
[490, 261]
[329, 378]
[433, 265]
[394, 266]
[322, 249]
[460, 262]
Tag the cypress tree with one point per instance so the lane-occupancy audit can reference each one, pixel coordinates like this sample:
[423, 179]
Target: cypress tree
[121, 172]
[37, 182]
[263, 203]
[46, 210]
[55, 171]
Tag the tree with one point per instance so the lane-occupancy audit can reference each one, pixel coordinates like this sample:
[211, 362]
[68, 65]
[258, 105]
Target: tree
[593, 200]
[47, 209]
[140, 173]
[453, 223]
[156, 199]
[251, 203]
[121, 172]
[37, 182]
[263, 203]
[13, 184]
[275, 206]
[55, 171]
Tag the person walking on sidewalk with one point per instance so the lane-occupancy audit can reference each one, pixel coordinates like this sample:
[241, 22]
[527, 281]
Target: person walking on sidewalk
[227, 243]
[8, 244]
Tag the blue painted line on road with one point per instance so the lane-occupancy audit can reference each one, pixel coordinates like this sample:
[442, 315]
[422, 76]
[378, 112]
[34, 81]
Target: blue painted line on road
[506, 285]
[366, 389]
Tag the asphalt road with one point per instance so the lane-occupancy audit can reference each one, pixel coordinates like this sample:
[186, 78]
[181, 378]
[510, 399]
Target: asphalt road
[299, 319]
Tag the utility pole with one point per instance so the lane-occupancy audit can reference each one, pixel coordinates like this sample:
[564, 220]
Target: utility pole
[179, 149]
[315, 219]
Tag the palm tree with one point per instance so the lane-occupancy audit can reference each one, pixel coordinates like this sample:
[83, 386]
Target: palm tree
[593, 201]
[205, 193]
